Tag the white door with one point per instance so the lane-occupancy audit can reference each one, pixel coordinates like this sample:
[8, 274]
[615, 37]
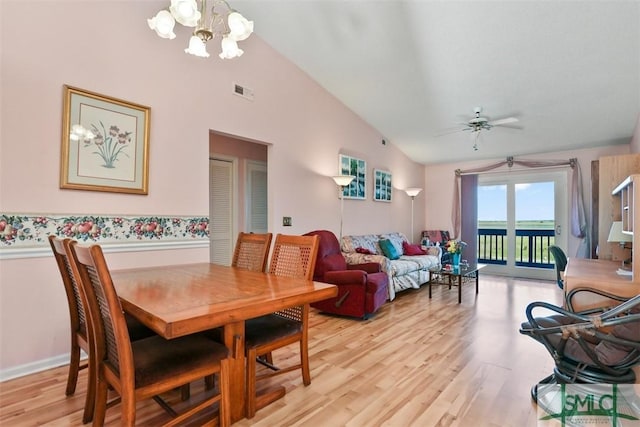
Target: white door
[222, 204]
[519, 215]
[256, 197]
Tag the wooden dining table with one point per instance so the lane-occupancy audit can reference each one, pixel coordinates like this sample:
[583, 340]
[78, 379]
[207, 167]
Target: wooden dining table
[179, 300]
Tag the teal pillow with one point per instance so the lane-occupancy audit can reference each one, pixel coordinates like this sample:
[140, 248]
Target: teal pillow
[388, 249]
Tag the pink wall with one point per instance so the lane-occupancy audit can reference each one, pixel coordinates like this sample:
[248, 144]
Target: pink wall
[106, 47]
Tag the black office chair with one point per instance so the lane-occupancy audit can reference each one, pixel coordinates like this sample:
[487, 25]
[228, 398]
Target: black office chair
[596, 346]
[560, 259]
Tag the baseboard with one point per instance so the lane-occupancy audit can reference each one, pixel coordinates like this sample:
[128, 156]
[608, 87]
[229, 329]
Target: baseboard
[35, 367]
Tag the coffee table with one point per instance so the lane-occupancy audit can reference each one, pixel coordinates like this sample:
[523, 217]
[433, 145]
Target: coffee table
[469, 271]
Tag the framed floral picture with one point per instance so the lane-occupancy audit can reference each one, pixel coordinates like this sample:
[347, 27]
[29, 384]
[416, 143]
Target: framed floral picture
[105, 143]
[382, 188]
[358, 168]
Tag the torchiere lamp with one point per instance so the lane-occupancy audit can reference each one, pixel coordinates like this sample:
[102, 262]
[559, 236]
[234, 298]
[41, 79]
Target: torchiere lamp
[412, 192]
[342, 181]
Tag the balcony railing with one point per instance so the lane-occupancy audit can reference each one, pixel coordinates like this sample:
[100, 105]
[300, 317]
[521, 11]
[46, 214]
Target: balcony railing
[532, 247]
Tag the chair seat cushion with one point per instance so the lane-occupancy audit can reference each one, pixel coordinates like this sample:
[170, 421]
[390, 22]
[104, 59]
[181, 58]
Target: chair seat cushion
[156, 358]
[271, 327]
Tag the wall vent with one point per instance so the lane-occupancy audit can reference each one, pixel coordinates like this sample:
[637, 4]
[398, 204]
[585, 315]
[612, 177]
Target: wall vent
[243, 91]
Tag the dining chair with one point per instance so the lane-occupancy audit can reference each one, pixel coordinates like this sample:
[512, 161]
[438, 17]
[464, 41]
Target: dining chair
[146, 368]
[560, 260]
[252, 251]
[293, 256]
[79, 332]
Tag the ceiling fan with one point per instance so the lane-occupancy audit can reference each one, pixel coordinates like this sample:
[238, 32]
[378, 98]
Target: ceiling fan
[478, 123]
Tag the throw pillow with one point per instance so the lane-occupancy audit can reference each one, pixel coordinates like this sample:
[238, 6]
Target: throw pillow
[388, 249]
[410, 249]
[362, 250]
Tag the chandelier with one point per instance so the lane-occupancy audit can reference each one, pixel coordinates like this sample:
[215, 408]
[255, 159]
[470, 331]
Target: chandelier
[208, 22]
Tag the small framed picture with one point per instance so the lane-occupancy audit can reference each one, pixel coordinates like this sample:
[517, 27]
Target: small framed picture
[358, 168]
[382, 188]
[105, 143]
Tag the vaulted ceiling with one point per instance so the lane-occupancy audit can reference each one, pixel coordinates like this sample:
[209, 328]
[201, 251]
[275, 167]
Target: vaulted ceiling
[414, 70]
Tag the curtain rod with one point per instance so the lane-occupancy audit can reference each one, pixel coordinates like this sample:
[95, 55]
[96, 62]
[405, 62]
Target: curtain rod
[533, 164]
[513, 170]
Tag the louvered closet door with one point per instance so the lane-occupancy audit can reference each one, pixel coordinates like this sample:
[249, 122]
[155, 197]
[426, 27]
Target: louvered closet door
[256, 212]
[221, 211]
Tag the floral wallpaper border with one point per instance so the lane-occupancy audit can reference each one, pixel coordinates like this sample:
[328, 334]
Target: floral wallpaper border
[30, 231]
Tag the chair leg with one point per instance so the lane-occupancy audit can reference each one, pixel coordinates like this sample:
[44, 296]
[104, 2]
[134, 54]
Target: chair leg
[251, 383]
[304, 361]
[90, 399]
[269, 358]
[128, 408]
[100, 404]
[224, 414]
[74, 367]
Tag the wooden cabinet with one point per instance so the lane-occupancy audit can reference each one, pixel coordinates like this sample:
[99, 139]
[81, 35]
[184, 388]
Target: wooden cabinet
[613, 170]
[625, 192]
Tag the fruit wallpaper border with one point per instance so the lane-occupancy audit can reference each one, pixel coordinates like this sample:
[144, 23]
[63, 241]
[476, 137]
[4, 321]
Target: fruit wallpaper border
[31, 231]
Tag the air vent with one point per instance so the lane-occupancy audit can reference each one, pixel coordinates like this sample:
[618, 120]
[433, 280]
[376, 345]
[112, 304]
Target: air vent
[243, 91]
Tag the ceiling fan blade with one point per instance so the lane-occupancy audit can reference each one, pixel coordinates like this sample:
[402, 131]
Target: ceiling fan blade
[449, 131]
[506, 120]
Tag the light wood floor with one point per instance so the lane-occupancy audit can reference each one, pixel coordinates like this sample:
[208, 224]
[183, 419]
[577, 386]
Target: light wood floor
[418, 362]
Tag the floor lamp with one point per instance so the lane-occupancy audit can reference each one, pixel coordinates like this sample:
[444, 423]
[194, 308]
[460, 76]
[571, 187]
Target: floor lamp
[412, 192]
[342, 181]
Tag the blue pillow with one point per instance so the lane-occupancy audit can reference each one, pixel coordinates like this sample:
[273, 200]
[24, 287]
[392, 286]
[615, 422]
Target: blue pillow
[388, 249]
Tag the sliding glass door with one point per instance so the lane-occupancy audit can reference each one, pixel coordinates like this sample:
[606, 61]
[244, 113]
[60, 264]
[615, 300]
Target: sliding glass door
[519, 216]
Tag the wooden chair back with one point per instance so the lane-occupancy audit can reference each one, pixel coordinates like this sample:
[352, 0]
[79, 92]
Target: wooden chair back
[107, 322]
[77, 313]
[252, 251]
[294, 256]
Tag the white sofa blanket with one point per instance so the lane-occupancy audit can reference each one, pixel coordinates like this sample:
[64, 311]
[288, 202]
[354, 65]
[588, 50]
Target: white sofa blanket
[408, 271]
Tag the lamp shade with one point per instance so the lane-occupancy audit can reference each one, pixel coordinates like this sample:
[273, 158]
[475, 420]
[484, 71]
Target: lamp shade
[343, 180]
[616, 235]
[413, 192]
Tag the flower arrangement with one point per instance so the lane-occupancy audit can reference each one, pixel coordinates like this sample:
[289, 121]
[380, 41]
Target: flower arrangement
[455, 246]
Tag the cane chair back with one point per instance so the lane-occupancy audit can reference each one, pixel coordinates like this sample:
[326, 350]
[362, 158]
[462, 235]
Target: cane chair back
[252, 251]
[78, 320]
[145, 368]
[293, 256]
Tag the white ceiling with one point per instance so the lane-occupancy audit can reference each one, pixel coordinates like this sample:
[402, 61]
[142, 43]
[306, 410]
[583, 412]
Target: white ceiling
[568, 70]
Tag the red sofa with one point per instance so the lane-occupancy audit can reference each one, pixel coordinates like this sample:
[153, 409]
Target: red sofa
[362, 288]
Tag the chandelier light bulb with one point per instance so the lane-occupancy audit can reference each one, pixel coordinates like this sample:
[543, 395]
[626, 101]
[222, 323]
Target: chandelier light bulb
[230, 48]
[240, 28]
[163, 24]
[197, 47]
[185, 12]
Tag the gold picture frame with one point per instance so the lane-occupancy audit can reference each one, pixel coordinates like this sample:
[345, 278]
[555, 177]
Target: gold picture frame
[105, 143]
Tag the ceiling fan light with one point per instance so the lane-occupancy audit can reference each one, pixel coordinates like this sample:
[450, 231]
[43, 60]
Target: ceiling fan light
[185, 12]
[163, 24]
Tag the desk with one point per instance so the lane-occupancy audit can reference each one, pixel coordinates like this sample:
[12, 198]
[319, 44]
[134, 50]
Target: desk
[180, 300]
[596, 274]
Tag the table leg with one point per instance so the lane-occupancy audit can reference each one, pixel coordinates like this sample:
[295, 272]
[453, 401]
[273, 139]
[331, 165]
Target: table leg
[477, 280]
[459, 288]
[234, 340]
[430, 286]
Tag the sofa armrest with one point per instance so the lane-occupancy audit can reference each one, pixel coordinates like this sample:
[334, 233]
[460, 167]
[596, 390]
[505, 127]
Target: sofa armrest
[356, 258]
[346, 277]
[368, 267]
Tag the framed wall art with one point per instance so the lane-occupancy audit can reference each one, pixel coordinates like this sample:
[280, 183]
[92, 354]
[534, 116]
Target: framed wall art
[382, 188]
[105, 143]
[358, 168]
